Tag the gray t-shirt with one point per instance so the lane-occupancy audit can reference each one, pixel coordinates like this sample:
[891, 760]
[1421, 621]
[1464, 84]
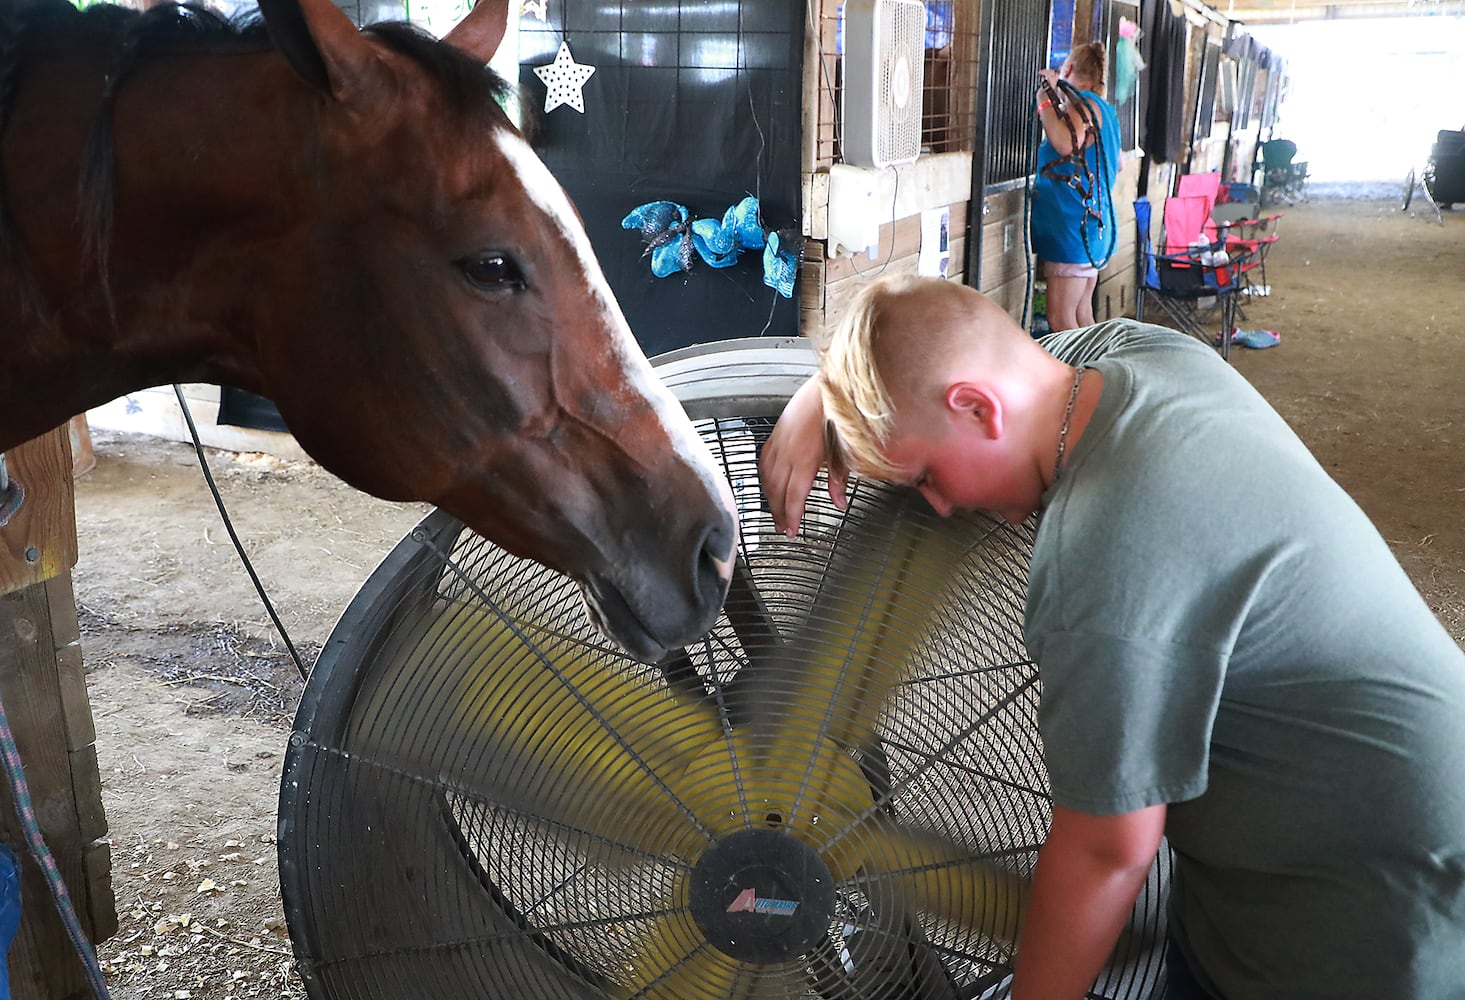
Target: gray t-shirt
[1219, 627]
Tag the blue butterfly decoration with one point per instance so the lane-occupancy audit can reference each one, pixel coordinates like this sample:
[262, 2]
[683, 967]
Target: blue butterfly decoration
[673, 244]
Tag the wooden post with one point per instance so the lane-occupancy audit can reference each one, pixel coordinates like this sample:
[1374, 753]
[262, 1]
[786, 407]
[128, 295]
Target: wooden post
[39, 540]
[44, 689]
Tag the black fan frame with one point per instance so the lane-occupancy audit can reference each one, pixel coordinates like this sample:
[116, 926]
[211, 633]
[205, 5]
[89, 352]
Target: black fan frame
[760, 376]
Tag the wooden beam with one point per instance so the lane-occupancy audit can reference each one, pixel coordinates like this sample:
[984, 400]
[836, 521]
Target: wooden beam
[1286, 12]
[38, 539]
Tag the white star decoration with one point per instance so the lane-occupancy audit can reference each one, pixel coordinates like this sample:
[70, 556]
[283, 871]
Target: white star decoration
[535, 9]
[565, 79]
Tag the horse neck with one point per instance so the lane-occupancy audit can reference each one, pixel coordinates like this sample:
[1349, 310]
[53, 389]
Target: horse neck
[210, 168]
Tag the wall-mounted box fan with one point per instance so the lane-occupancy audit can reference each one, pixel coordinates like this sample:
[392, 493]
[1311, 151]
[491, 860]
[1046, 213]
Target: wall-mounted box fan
[884, 53]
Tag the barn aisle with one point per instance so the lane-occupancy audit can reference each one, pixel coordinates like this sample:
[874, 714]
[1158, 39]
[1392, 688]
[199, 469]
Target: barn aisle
[193, 696]
[1370, 370]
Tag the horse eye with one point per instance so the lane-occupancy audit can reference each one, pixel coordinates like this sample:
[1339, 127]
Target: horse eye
[492, 272]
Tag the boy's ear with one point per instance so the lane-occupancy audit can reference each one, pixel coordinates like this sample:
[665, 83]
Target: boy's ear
[971, 401]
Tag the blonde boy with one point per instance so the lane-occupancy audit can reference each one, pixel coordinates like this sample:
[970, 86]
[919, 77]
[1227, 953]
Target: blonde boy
[1230, 655]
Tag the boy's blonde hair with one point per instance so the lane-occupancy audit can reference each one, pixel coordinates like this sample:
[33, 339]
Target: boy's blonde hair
[856, 400]
[895, 343]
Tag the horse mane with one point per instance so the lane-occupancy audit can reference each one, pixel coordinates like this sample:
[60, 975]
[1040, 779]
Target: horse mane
[139, 36]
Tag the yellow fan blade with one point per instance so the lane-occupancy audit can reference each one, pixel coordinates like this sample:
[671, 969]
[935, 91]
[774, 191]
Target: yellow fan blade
[769, 778]
[919, 870]
[538, 723]
[909, 870]
[835, 675]
[753, 778]
[674, 961]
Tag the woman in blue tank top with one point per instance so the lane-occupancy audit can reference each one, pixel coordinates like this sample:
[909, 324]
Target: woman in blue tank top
[1073, 218]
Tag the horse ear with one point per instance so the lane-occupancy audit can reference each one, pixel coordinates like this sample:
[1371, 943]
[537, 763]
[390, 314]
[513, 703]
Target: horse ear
[480, 33]
[318, 40]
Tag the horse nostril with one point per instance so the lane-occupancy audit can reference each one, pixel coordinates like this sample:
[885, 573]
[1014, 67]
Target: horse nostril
[714, 560]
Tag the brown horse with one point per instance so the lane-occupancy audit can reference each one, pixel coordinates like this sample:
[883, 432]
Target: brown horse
[346, 222]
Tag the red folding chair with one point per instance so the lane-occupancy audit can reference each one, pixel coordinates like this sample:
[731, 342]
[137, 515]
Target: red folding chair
[1236, 225]
[1246, 233]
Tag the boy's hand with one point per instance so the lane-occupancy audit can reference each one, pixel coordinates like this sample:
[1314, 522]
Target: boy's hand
[793, 456]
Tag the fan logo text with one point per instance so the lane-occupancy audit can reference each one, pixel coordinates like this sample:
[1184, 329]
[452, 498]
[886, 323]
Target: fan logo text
[748, 902]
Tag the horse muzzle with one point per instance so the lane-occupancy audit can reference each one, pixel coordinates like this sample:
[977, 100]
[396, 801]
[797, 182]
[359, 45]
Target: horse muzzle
[649, 618]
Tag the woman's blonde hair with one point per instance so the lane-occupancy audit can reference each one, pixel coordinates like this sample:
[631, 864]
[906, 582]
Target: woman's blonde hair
[1090, 61]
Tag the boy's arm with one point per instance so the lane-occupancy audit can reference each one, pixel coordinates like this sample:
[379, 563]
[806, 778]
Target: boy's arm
[1090, 871]
[793, 456]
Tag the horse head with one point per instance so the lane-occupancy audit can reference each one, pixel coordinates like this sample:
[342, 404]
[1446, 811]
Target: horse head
[455, 292]
[358, 232]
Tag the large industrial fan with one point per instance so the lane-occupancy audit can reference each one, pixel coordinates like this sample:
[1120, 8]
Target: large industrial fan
[838, 794]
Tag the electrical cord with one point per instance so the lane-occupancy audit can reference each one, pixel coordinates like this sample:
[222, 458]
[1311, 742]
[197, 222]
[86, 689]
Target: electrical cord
[208, 476]
[894, 201]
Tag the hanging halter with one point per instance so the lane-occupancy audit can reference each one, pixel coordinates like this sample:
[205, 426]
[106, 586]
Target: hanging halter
[1082, 178]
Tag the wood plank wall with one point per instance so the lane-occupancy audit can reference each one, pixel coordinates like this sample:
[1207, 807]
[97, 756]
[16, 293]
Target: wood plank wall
[1116, 282]
[828, 285]
[43, 687]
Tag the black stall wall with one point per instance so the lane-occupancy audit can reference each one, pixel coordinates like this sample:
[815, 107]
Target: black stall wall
[694, 102]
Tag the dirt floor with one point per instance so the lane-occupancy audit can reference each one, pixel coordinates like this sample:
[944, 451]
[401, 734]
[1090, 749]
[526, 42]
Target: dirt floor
[1370, 371]
[193, 696]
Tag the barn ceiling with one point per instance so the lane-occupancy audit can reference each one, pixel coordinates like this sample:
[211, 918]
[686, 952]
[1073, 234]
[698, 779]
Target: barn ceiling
[1288, 11]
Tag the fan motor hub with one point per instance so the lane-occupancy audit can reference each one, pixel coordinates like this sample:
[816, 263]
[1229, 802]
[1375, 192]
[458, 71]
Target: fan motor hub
[762, 896]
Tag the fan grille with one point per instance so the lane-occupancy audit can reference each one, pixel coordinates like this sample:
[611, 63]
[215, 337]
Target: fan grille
[484, 798]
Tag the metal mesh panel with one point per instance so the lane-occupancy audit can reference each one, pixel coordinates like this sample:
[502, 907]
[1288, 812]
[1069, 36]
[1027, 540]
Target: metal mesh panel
[1017, 49]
